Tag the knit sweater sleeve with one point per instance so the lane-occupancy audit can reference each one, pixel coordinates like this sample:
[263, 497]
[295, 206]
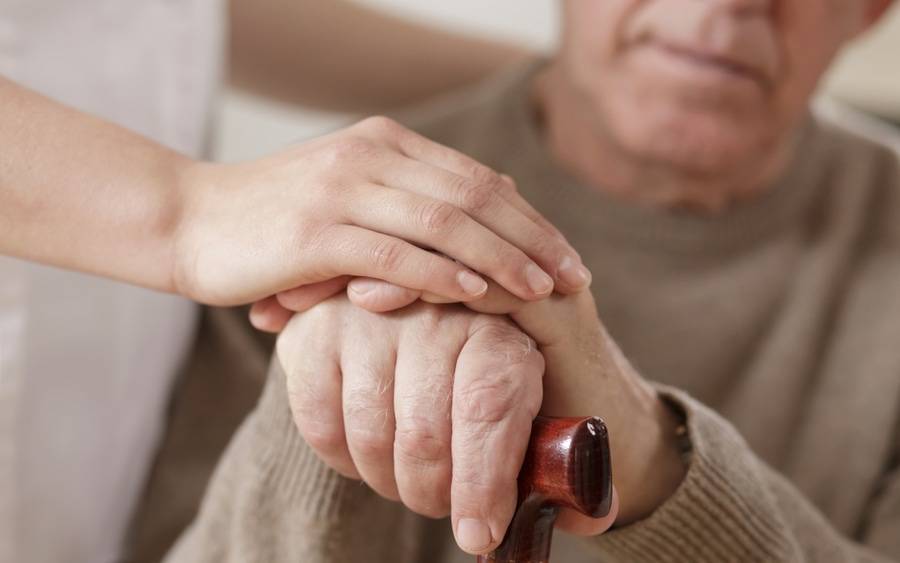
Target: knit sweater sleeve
[731, 506]
[272, 500]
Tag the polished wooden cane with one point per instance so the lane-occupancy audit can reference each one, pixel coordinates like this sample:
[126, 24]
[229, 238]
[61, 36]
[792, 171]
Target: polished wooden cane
[567, 465]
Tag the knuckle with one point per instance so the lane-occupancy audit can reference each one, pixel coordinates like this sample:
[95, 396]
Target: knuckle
[428, 497]
[436, 217]
[541, 244]
[510, 383]
[431, 317]
[505, 190]
[485, 175]
[419, 443]
[349, 149]
[388, 255]
[331, 189]
[382, 125]
[477, 198]
[478, 484]
[501, 334]
[324, 438]
[509, 185]
[490, 399]
[510, 259]
[318, 324]
[370, 443]
[322, 435]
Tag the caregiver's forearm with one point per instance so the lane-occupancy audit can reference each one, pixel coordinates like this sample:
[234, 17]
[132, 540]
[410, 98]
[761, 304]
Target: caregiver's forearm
[335, 54]
[83, 194]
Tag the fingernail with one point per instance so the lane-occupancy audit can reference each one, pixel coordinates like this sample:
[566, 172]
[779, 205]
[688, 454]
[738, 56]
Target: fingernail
[362, 286]
[574, 274]
[471, 284]
[473, 535]
[538, 280]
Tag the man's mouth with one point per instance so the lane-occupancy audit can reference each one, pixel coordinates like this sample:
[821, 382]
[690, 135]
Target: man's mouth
[714, 61]
[704, 64]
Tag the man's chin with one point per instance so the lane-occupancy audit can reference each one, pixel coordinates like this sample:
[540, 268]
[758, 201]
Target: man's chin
[696, 145]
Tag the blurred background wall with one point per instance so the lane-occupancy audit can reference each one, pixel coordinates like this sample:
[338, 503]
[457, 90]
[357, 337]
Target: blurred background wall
[867, 76]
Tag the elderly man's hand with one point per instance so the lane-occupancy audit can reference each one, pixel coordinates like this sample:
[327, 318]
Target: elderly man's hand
[586, 375]
[431, 405]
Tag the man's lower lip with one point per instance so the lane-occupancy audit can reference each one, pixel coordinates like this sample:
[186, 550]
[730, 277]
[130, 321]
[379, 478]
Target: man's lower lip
[701, 70]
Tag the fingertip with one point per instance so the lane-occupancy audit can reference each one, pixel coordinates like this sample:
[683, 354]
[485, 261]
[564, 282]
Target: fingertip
[268, 315]
[573, 276]
[379, 296]
[481, 516]
[472, 284]
[474, 536]
[509, 180]
[539, 282]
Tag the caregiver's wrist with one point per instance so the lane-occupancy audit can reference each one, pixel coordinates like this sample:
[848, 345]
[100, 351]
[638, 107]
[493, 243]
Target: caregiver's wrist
[195, 182]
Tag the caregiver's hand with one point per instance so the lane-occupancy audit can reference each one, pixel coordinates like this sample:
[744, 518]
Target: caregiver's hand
[79, 193]
[364, 202]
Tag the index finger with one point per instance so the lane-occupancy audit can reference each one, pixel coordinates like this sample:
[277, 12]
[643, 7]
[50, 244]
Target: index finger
[496, 395]
[421, 148]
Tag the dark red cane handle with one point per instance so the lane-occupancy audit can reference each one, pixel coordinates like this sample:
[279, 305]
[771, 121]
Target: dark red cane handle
[567, 464]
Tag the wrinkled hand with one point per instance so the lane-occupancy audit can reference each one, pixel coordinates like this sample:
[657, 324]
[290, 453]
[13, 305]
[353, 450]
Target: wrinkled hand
[431, 405]
[364, 201]
[586, 374]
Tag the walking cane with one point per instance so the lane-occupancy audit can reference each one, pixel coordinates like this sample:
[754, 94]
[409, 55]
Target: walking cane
[567, 465]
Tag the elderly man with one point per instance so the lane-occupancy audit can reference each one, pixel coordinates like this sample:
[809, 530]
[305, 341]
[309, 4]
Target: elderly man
[745, 258]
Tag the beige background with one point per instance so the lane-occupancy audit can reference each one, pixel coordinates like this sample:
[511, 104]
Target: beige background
[868, 75]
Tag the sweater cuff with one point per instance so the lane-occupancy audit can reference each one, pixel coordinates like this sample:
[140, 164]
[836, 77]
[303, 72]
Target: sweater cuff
[293, 472]
[722, 511]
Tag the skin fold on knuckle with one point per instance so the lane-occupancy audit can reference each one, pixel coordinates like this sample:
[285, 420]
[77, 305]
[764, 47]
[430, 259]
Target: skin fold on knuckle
[421, 443]
[510, 262]
[372, 444]
[545, 248]
[505, 341]
[477, 198]
[485, 175]
[325, 438]
[488, 399]
[437, 217]
[324, 435]
[422, 458]
[387, 255]
[508, 382]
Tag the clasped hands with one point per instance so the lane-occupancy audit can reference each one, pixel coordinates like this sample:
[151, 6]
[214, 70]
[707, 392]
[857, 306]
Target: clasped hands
[432, 404]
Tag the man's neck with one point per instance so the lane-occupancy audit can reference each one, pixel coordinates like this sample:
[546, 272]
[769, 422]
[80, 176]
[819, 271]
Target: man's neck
[589, 153]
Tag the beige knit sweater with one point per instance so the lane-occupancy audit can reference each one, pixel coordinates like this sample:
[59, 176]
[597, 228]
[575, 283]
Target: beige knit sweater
[776, 326]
